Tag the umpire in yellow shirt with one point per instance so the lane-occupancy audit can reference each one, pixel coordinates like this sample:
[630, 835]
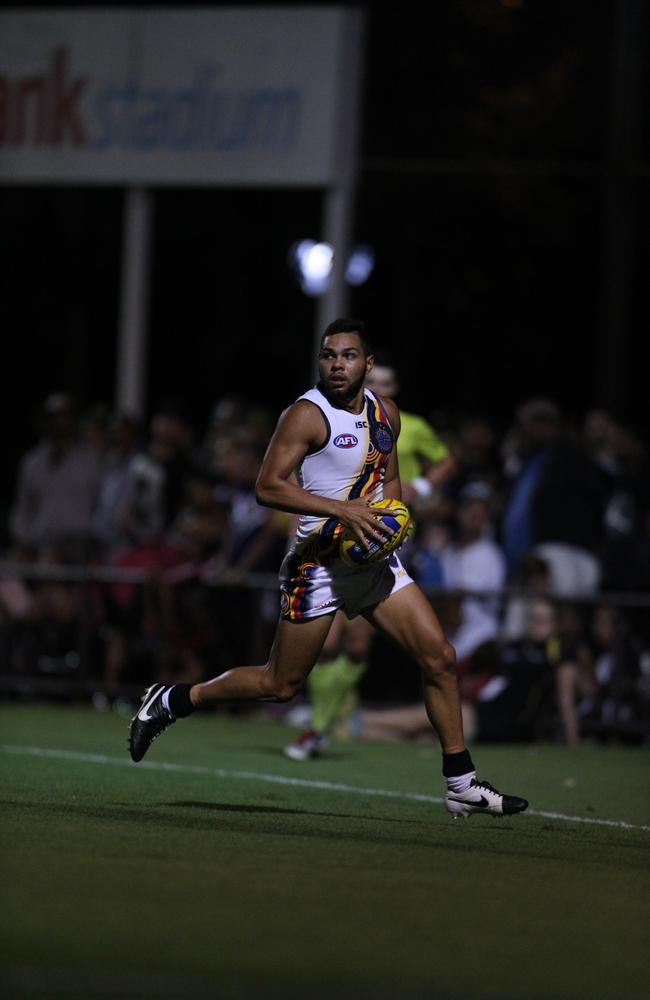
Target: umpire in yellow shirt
[425, 461]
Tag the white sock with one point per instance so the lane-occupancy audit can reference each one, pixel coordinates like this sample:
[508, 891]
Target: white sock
[461, 782]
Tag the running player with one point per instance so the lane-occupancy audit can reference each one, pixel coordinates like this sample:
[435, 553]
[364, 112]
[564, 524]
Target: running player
[340, 439]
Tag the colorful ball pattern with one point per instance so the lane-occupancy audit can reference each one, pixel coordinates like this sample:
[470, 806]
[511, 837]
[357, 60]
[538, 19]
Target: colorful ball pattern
[395, 515]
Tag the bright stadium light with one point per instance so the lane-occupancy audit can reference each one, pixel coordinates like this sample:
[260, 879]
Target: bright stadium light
[360, 265]
[312, 263]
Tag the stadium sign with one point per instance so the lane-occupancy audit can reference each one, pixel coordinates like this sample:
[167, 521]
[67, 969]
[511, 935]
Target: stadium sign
[193, 96]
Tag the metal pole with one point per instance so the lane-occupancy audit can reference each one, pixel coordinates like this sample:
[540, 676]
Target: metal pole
[337, 224]
[134, 303]
[338, 208]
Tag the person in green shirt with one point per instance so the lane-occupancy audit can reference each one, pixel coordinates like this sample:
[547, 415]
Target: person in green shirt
[425, 461]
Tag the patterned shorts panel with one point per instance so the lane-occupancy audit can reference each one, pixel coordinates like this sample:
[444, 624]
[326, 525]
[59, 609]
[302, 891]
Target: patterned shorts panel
[308, 589]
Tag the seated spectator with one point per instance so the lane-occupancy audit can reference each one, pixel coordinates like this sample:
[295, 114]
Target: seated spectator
[533, 578]
[512, 693]
[540, 679]
[472, 561]
[619, 707]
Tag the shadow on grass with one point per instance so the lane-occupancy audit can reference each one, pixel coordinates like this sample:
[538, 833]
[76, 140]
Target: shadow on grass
[433, 830]
[241, 808]
[256, 809]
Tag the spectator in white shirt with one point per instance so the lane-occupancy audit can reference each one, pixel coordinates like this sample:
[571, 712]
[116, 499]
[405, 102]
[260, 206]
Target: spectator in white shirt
[57, 486]
[472, 561]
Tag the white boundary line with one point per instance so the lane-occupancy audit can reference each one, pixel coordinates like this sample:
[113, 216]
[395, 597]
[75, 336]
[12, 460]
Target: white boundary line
[278, 779]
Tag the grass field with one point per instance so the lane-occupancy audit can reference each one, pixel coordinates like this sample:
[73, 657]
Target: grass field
[217, 868]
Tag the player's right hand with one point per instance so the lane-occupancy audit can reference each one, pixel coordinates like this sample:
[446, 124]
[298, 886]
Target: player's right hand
[364, 522]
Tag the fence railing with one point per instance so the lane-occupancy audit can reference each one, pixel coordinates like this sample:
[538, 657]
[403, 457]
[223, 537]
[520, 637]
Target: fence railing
[269, 581]
[30, 666]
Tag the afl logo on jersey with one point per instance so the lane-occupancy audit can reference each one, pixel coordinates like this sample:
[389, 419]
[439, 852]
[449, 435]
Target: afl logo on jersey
[346, 441]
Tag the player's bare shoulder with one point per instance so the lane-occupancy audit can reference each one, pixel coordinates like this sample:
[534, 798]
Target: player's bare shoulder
[303, 421]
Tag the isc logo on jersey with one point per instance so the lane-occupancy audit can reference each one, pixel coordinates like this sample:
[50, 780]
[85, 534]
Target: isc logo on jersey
[346, 441]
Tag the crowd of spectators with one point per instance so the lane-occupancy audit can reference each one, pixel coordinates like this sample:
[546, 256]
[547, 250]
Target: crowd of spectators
[546, 517]
[171, 512]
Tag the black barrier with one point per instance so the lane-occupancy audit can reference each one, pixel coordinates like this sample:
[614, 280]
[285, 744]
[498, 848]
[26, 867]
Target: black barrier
[64, 628]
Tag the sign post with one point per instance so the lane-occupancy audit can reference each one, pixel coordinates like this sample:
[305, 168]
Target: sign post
[130, 382]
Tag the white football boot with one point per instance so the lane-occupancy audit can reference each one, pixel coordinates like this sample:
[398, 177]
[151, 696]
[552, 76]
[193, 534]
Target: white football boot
[481, 797]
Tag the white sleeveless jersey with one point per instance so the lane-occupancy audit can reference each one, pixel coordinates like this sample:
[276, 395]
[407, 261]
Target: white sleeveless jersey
[350, 464]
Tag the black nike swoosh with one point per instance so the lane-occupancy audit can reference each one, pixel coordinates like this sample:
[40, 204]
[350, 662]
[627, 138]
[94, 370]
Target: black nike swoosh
[482, 804]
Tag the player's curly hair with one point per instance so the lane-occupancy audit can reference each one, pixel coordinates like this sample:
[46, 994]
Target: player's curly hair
[343, 325]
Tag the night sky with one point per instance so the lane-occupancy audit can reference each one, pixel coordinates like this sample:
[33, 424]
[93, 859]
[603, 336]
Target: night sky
[496, 187]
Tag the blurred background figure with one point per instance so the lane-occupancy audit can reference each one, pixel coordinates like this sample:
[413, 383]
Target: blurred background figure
[426, 465]
[472, 561]
[95, 428]
[333, 688]
[232, 417]
[556, 500]
[533, 578]
[256, 535]
[109, 515]
[618, 706]
[57, 486]
[156, 478]
[536, 687]
[19, 615]
[425, 461]
[149, 487]
[623, 460]
[255, 542]
[476, 451]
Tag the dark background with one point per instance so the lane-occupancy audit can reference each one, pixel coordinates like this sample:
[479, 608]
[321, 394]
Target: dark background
[504, 185]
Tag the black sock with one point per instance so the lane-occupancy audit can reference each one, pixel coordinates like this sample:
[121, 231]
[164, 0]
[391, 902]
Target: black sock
[179, 701]
[455, 764]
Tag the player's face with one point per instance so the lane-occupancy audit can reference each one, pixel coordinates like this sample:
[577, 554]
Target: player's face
[343, 366]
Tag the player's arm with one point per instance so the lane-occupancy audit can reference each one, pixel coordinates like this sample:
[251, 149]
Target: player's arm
[301, 429]
[439, 472]
[392, 482]
[437, 462]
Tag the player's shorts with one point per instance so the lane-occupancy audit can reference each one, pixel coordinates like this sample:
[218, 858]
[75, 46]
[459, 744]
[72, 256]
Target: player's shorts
[309, 589]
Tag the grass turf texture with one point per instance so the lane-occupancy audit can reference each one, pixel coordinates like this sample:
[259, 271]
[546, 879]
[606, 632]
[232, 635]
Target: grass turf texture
[126, 880]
